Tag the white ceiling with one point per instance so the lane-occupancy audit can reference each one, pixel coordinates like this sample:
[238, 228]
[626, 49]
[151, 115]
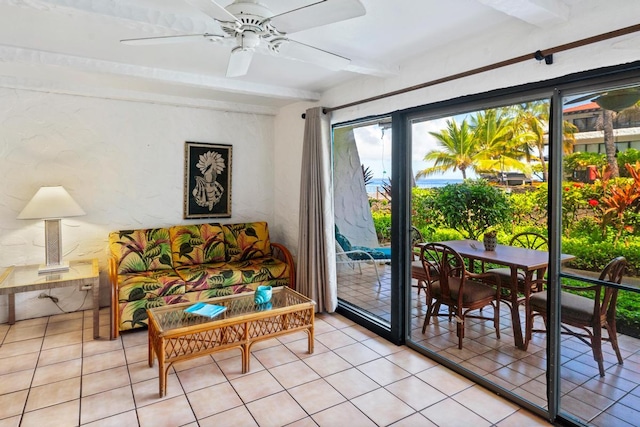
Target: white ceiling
[73, 46]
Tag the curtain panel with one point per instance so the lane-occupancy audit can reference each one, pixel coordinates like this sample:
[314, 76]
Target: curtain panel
[316, 269]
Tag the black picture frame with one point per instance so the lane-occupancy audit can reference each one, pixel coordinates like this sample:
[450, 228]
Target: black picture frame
[207, 180]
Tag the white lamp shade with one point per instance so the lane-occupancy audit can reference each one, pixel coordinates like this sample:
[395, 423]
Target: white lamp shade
[51, 203]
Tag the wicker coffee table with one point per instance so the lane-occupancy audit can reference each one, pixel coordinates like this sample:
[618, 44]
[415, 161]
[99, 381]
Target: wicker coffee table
[175, 335]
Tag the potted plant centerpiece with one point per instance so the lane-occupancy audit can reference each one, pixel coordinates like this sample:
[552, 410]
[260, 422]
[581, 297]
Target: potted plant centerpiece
[490, 240]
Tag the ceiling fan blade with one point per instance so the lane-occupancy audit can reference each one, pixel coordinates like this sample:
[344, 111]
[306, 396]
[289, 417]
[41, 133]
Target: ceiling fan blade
[317, 14]
[213, 9]
[170, 39]
[302, 52]
[239, 62]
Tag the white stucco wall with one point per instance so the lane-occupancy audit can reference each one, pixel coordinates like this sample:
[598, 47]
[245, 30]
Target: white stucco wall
[350, 202]
[289, 132]
[123, 162]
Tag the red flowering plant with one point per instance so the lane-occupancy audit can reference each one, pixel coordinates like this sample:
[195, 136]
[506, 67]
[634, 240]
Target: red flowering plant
[620, 202]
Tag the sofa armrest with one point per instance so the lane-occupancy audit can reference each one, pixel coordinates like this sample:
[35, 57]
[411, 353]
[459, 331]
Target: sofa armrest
[281, 252]
[113, 279]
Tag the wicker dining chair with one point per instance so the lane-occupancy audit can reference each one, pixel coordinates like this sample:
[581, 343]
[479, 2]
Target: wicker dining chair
[528, 240]
[587, 315]
[417, 270]
[450, 284]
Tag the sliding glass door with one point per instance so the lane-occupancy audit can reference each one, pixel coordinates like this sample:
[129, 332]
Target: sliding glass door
[600, 341]
[561, 165]
[362, 200]
[477, 171]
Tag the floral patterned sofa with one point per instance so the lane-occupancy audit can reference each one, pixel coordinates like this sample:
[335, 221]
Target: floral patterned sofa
[186, 263]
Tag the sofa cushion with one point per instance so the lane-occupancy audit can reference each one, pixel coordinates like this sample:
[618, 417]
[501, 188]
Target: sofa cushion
[197, 244]
[246, 241]
[221, 275]
[149, 284]
[141, 250]
[133, 314]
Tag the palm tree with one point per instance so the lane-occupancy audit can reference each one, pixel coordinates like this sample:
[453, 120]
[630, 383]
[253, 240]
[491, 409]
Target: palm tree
[459, 150]
[534, 117]
[532, 124]
[606, 124]
[495, 140]
[494, 131]
[609, 142]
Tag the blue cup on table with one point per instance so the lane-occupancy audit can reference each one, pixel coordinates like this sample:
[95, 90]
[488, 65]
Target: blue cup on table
[262, 294]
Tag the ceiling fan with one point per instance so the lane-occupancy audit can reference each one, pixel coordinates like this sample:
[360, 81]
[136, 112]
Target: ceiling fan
[614, 100]
[251, 27]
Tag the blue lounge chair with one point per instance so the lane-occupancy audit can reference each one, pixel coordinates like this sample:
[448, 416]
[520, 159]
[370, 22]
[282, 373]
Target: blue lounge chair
[350, 254]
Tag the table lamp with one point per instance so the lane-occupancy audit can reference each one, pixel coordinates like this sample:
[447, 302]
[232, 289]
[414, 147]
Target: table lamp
[51, 204]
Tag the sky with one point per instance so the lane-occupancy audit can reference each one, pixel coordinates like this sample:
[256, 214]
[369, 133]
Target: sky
[374, 147]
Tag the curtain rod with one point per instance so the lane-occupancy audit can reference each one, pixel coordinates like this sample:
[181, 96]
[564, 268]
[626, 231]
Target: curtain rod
[538, 55]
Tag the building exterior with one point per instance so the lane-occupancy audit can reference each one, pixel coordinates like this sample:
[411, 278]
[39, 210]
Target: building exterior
[590, 137]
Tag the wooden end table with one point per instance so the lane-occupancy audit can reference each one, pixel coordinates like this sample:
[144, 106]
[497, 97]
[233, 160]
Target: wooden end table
[83, 274]
[175, 335]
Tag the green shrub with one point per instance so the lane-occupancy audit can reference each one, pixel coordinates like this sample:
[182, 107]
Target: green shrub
[578, 161]
[587, 227]
[627, 308]
[382, 223]
[473, 207]
[594, 255]
[630, 156]
[425, 214]
[443, 234]
[527, 210]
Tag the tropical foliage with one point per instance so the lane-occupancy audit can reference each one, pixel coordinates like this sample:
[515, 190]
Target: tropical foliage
[460, 150]
[472, 207]
[141, 250]
[246, 241]
[197, 244]
[496, 140]
[367, 174]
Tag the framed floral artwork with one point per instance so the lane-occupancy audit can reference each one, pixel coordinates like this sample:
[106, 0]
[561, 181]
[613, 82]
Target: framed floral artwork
[207, 180]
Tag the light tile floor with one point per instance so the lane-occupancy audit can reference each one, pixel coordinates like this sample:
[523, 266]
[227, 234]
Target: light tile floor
[610, 401]
[53, 373]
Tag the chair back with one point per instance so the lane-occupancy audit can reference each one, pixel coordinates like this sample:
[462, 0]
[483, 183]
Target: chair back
[530, 240]
[416, 236]
[441, 263]
[416, 240]
[344, 243]
[613, 273]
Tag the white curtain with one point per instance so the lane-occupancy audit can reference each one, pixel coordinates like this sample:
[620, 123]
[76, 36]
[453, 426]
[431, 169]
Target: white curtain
[316, 270]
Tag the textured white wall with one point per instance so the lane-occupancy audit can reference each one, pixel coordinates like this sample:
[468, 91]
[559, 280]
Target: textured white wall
[351, 203]
[289, 132]
[123, 162]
